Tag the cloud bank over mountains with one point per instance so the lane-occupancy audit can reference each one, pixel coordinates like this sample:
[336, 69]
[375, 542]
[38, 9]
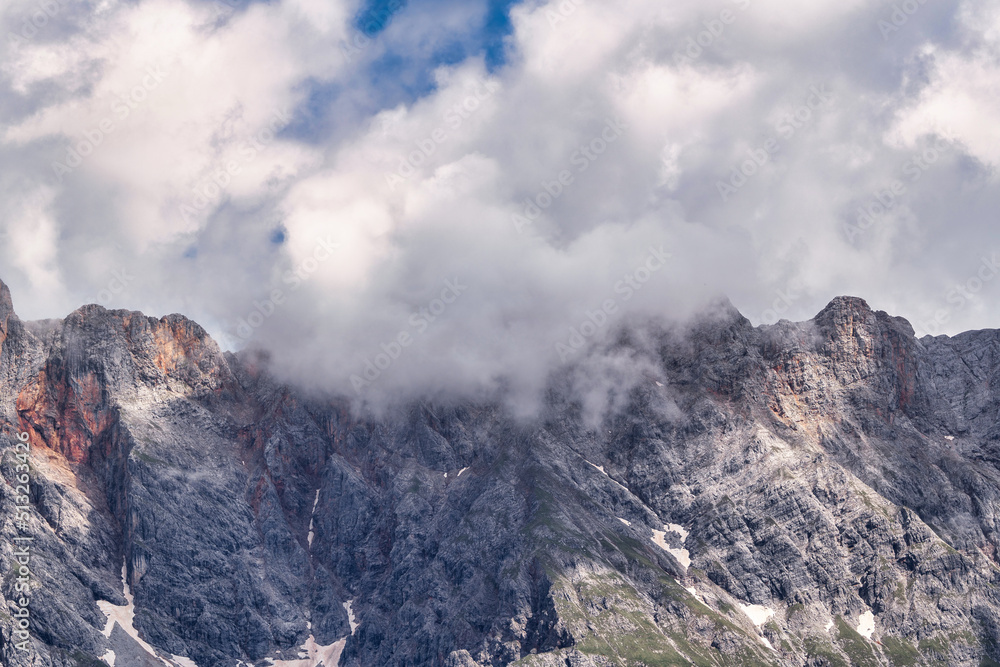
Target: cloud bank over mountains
[388, 202]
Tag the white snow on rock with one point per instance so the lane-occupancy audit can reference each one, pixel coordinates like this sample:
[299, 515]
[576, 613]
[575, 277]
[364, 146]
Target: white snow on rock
[311, 533]
[625, 521]
[866, 624]
[124, 617]
[601, 468]
[315, 654]
[757, 613]
[605, 473]
[673, 527]
[682, 555]
[660, 537]
[350, 615]
[321, 655]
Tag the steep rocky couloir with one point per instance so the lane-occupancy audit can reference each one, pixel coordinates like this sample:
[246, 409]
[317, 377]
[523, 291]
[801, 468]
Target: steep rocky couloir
[816, 493]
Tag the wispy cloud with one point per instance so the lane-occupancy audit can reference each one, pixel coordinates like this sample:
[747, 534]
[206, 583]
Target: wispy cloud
[541, 176]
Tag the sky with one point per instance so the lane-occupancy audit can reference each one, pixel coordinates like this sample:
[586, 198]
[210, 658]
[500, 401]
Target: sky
[438, 195]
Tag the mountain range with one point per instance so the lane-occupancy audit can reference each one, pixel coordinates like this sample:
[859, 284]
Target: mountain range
[701, 493]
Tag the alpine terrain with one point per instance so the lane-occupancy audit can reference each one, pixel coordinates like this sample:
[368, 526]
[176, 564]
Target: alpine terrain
[714, 493]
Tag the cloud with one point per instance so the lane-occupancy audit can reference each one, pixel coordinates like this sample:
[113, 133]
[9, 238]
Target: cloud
[32, 241]
[318, 202]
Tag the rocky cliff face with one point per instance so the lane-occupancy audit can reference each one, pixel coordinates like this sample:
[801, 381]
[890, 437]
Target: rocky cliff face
[819, 493]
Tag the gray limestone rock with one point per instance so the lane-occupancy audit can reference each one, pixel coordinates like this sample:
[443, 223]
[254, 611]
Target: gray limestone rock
[815, 493]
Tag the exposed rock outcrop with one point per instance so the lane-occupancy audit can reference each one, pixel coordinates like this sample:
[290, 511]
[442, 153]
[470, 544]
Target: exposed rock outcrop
[817, 493]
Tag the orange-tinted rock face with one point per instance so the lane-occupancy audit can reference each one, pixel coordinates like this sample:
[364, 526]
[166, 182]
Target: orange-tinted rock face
[64, 413]
[176, 343]
[849, 356]
[67, 407]
[182, 351]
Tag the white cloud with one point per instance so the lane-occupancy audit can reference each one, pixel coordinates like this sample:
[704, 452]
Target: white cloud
[604, 127]
[169, 103]
[32, 241]
[962, 103]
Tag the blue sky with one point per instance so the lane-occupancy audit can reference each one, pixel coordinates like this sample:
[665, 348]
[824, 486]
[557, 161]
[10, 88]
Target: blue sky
[400, 74]
[488, 40]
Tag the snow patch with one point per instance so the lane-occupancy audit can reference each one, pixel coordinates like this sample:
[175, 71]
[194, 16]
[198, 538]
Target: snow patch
[694, 591]
[315, 654]
[829, 626]
[109, 658]
[350, 615]
[757, 613]
[625, 521]
[949, 437]
[866, 624]
[311, 533]
[659, 384]
[124, 617]
[673, 527]
[320, 655]
[660, 538]
[682, 555]
[604, 472]
[601, 468]
[460, 472]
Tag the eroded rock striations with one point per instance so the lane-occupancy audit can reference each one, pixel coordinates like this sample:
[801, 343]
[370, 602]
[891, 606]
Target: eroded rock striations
[817, 493]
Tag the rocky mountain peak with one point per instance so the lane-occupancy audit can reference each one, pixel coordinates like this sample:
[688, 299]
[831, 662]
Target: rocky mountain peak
[844, 311]
[808, 493]
[178, 348]
[5, 300]
[6, 311]
[857, 334]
